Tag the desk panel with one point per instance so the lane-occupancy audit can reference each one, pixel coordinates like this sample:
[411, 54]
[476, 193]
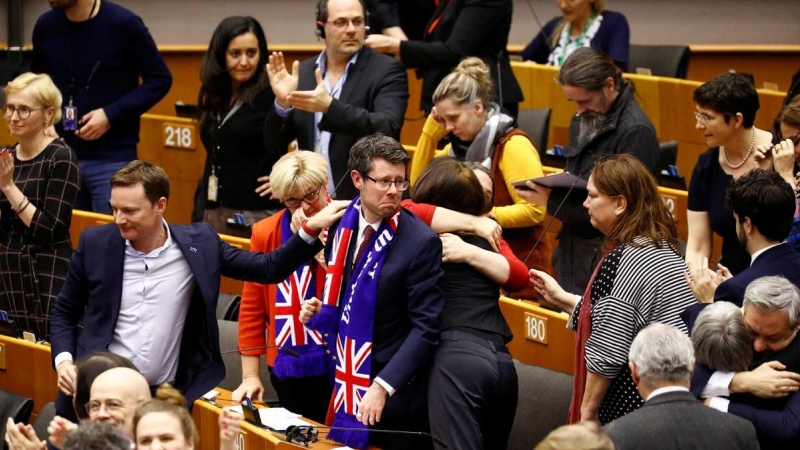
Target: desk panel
[28, 371]
[527, 321]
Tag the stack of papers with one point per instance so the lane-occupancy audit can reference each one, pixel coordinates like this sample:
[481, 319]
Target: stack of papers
[278, 419]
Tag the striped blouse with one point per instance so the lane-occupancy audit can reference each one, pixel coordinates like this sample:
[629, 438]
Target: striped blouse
[636, 286]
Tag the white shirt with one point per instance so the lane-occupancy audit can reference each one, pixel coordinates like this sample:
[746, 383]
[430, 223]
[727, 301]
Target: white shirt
[156, 290]
[758, 253]
[665, 390]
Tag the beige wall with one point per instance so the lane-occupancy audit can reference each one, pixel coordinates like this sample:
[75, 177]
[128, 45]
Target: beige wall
[652, 21]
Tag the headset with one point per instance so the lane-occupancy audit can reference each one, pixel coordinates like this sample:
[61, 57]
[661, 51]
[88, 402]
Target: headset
[319, 32]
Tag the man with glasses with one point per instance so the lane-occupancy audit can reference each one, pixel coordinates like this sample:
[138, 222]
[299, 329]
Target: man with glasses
[327, 103]
[114, 396]
[380, 310]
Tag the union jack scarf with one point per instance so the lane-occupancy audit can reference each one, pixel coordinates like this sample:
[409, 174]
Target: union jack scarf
[352, 320]
[289, 332]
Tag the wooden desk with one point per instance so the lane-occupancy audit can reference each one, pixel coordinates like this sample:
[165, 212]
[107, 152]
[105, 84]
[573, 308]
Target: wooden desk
[27, 370]
[251, 437]
[768, 63]
[541, 336]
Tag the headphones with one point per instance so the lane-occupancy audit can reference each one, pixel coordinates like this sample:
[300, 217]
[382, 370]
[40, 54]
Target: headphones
[319, 32]
[301, 434]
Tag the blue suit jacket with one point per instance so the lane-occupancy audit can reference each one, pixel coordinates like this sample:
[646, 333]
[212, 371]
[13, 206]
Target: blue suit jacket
[779, 260]
[93, 290]
[407, 312]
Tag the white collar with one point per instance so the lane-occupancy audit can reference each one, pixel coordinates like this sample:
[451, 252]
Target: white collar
[665, 390]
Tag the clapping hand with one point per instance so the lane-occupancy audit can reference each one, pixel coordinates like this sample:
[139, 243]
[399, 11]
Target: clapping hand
[317, 100]
[281, 80]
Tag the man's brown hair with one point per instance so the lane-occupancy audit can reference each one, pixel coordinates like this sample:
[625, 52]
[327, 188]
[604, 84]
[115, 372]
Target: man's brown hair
[154, 179]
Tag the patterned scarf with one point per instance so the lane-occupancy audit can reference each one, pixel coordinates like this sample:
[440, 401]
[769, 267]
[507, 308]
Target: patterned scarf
[289, 332]
[352, 319]
[481, 149]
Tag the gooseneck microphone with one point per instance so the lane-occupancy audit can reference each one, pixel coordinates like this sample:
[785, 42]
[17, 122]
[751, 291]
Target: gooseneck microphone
[308, 434]
[288, 351]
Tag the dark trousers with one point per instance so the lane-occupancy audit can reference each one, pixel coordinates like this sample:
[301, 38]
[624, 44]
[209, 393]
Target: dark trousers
[472, 393]
[308, 396]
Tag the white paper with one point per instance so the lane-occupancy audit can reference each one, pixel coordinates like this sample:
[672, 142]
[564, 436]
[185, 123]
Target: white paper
[280, 418]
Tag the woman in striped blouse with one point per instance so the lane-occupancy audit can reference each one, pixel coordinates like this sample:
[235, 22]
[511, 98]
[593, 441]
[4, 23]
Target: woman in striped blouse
[636, 283]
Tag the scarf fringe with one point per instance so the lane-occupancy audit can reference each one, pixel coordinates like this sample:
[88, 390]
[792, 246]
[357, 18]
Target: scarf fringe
[326, 321]
[311, 363]
[350, 438]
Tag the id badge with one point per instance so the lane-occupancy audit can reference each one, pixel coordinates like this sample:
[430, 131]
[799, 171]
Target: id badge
[213, 187]
[70, 118]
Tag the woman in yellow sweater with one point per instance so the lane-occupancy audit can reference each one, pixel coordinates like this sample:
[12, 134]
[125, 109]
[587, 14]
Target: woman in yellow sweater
[478, 131]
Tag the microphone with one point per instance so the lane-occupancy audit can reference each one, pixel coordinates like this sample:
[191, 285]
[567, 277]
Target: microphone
[541, 28]
[553, 216]
[308, 434]
[286, 350]
[499, 79]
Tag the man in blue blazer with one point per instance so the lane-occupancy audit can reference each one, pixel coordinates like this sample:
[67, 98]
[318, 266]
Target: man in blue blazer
[148, 291]
[408, 301]
[763, 205]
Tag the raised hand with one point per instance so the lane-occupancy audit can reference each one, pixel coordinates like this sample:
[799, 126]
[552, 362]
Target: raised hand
[281, 80]
[317, 100]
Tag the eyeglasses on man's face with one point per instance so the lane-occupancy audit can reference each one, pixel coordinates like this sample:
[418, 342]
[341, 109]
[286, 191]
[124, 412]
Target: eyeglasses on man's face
[342, 22]
[22, 111]
[94, 406]
[384, 185]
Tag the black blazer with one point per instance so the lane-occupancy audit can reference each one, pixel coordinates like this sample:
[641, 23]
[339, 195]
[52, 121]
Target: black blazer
[373, 100]
[466, 28]
[779, 260]
[677, 420]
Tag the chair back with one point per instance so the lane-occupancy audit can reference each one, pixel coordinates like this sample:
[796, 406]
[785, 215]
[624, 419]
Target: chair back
[663, 60]
[536, 123]
[228, 307]
[15, 406]
[544, 397]
[229, 340]
[43, 421]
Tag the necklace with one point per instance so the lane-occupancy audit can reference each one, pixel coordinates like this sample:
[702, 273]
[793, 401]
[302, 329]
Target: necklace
[744, 160]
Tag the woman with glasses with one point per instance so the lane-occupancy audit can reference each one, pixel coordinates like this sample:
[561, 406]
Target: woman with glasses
[725, 111]
[479, 132]
[38, 186]
[786, 156]
[267, 315]
[234, 101]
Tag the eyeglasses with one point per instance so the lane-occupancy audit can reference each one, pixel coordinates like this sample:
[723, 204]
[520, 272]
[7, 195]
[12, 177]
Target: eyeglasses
[704, 118]
[309, 198]
[795, 139]
[384, 185]
[93, 407]
[358, 22]
[22, 111]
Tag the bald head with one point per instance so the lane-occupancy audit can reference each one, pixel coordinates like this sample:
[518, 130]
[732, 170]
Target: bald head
[114, 396]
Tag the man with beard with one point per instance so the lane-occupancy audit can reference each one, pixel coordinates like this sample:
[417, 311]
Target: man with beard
[327, 103]
[763, 205]
[608, 120]
[765, 395]
[95, 51]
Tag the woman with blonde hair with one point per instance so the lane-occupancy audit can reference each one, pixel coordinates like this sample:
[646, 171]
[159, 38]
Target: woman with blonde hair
[636, 283]
[479, 132]
[580, 436]
[38, 186]
[583, 23]
[164, 422]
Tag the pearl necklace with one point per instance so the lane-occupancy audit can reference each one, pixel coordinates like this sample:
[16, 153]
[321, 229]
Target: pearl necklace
[744, 160]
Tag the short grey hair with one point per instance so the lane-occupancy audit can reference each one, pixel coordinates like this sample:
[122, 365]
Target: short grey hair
[720, 338]
[97, 436]
[662, 353]
[774, 293]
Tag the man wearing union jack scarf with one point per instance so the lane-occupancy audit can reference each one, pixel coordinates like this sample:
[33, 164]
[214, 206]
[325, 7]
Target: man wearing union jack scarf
[381, 304]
